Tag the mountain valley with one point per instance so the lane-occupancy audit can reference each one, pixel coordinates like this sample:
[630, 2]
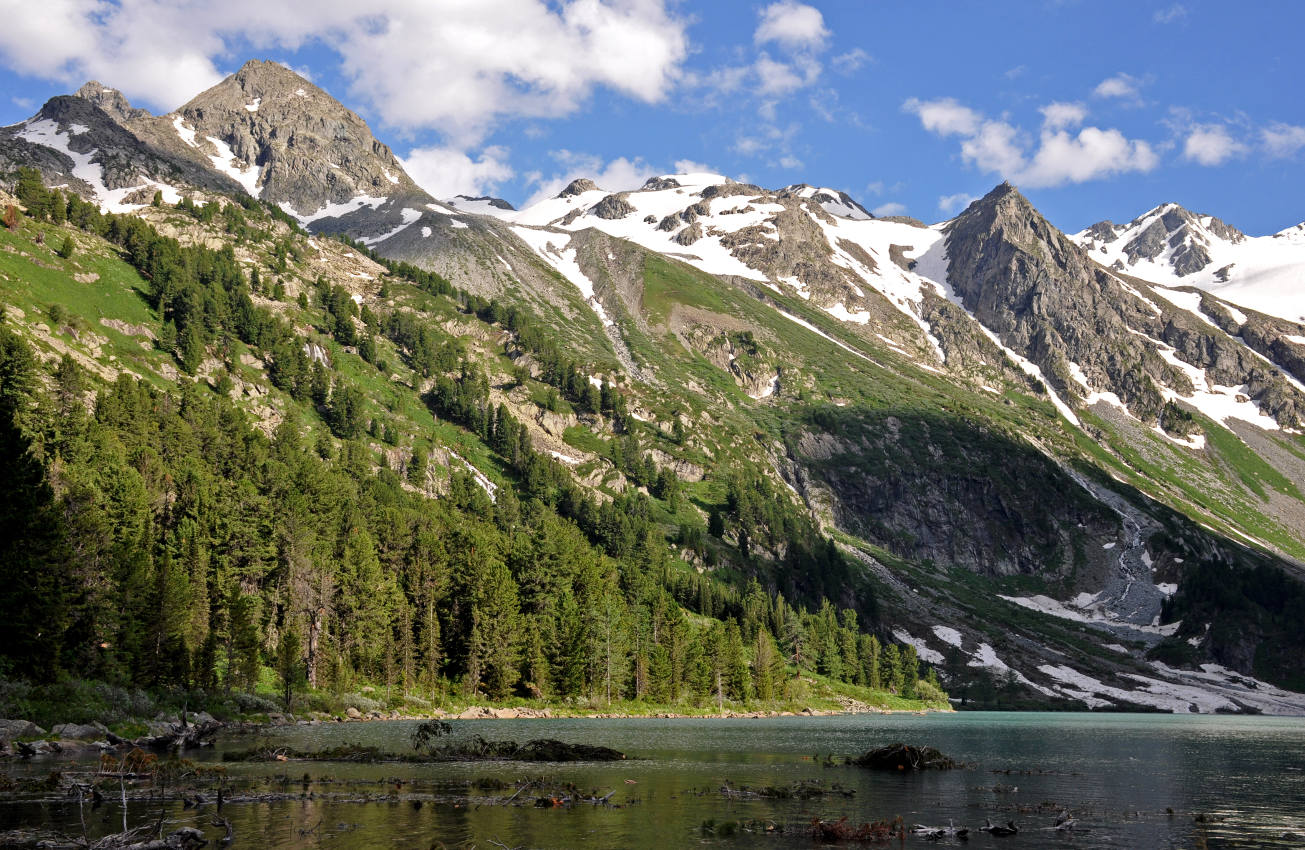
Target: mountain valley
[1064, 470]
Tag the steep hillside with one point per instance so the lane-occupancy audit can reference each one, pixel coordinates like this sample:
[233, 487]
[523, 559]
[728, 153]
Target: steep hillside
[1058, 482]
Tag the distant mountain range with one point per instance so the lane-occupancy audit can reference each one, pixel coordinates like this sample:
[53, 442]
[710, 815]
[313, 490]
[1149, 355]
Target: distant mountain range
[1035, 442]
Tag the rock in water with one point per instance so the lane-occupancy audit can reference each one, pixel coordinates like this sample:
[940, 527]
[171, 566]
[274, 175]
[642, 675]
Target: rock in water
[904, 757]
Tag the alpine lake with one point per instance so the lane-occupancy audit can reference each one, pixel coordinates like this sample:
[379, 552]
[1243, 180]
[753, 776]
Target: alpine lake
[1126, 780]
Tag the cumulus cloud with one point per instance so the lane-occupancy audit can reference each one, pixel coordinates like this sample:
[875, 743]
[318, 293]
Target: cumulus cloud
[781, 78]
[949, 204]
[789, 39]
[1211, 144]
[1093, 153]
[945, 116]
[1282, 140]
[617, 175]
[791, 25]
[1055, 158]
[445, 64]
[688, 166]
[1059, 115]
[445, 172]
[890, 208]
[1120, 86]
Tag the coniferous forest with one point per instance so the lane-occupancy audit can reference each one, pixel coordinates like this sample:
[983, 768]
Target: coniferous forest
[155, 538]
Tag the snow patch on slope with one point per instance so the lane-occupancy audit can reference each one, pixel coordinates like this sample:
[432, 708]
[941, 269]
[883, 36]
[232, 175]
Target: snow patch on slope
[545, 244]
[46, 132]
[225, 161]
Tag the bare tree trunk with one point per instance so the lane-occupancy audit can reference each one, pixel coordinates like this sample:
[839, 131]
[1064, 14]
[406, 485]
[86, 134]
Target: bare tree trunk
[314, 637]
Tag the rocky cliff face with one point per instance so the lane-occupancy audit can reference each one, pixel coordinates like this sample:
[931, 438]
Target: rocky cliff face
[309, 152]
[75, 143]
[1090, 330]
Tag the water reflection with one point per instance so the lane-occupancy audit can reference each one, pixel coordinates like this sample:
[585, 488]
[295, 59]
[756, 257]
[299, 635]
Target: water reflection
[1131, 780]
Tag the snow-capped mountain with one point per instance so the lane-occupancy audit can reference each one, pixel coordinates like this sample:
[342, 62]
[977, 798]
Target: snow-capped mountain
[75, 144]
[1174, 247]
[1137, 333]
[264, 131]
[1091, 337]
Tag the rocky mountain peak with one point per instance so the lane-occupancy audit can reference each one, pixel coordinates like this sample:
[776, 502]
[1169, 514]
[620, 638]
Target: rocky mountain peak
[496, 203]
[76, 143]
[657, 184]
[291, 143]
[111, 101]
[578, 186]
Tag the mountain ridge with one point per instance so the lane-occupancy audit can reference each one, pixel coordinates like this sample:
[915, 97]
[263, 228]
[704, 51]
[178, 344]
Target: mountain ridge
[868, 364]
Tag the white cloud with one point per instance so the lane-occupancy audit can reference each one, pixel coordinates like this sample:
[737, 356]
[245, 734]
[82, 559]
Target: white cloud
[1211, 144]
[792, 25]
[617, 175]
[1120, 86]
[790, 162]
[851, 61]
[476, 61]
[445, 172]
[688, 166]
[1056, 116]
[949, 204]
[945, 116]
[1282, 140]
[890, 208]
[1092, 154]
[1170, 14]
[777, 78]
[995, 146]
[1058, 156]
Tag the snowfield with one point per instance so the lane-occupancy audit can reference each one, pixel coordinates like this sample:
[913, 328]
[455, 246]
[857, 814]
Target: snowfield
[1264, 273]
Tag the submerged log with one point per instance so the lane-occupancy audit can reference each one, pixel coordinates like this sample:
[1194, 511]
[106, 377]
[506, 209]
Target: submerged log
[181, 737]
[904, 757]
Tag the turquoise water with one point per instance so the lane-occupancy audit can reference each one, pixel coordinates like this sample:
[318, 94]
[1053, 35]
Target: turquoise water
[1130, 780]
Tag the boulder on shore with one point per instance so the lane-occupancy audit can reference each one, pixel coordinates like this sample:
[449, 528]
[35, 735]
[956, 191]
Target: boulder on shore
[13, 729]
[79, 731]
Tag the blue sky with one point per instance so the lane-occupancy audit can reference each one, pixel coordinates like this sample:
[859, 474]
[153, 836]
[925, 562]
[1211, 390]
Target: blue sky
[1095, 109]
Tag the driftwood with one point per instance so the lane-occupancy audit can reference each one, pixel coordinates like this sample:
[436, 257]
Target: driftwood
[178, 737]
[904, 757]
[1009, 828]
[844, 830]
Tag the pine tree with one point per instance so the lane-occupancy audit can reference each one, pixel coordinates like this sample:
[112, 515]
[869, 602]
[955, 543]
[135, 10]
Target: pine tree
[767, 667]
[67, 248]
[495, 644]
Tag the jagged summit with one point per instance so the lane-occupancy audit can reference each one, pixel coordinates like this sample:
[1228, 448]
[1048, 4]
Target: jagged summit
[112, 101]
[834, 201]
[496, 203]
[578, 186]
[1174, 246]
[77, 144]
[291, 143]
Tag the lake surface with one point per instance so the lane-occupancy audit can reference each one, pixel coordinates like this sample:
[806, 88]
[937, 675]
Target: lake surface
[1132, 781]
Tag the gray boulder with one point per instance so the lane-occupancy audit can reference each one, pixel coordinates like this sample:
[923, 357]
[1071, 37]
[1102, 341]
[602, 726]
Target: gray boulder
[11, 729]
[79, 731]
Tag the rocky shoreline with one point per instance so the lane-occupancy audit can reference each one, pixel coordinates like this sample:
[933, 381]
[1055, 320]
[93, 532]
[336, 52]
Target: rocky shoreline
[24, 739]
